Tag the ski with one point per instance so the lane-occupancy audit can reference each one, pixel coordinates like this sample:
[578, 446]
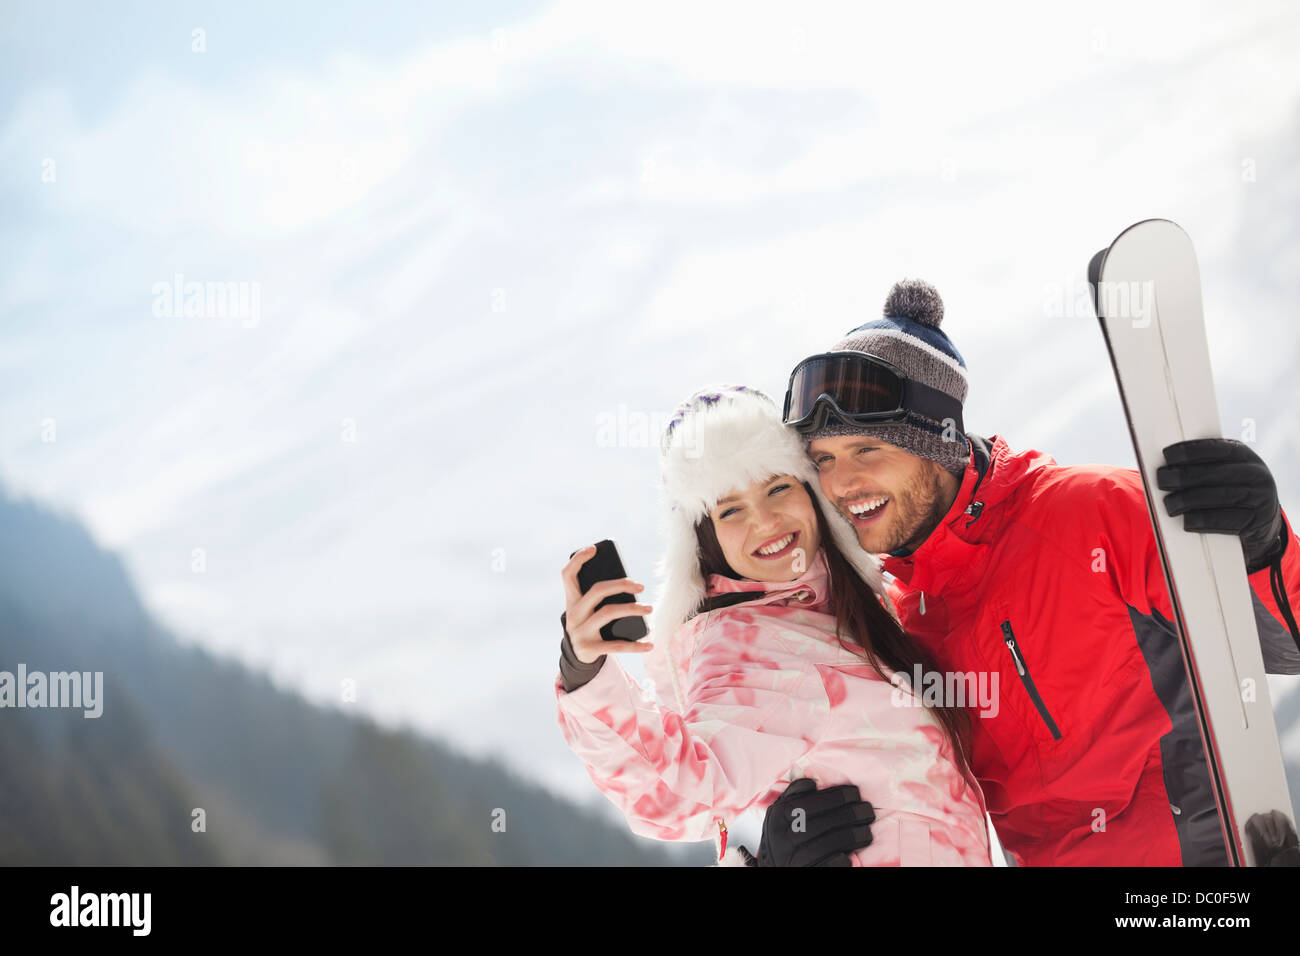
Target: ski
[1147, 294]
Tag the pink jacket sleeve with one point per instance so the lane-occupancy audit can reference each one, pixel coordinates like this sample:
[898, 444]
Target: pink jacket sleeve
[675, 775]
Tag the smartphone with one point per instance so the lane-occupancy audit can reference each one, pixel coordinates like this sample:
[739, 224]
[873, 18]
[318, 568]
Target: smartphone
[605, 565]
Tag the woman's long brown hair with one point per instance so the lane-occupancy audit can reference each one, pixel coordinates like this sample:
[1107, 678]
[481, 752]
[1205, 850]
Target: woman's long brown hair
[876, 636]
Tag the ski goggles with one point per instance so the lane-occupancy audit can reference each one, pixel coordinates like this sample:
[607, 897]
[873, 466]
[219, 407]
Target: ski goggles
[862, 390]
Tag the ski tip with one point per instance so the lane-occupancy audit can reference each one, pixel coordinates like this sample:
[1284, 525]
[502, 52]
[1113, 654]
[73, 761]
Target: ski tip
[1146, 225]
[1098, 261]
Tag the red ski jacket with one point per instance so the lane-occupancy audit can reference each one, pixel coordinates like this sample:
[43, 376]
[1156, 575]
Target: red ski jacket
[1046, 578]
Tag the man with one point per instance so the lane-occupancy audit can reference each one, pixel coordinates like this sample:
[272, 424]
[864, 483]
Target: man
[1047, 576]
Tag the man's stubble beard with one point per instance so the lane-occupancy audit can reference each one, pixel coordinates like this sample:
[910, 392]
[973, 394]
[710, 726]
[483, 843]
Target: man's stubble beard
[921, 507]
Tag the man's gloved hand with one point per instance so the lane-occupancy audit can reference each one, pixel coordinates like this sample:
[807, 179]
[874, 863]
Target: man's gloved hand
[834, 822]
[1220, 485]
[1273, 839]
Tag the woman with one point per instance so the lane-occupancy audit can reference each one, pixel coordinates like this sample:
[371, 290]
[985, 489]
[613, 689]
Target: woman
[782, 651]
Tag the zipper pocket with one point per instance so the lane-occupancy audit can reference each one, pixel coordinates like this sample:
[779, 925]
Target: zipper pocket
[1010, 639]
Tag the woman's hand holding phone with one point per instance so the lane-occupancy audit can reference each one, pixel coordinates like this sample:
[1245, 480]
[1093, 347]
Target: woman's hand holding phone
[583, 622]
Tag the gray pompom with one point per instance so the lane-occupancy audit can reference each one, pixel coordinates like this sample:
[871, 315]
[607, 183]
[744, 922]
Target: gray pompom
[915, 299]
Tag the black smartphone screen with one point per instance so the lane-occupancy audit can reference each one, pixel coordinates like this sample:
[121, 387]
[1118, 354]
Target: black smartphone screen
[605, 565]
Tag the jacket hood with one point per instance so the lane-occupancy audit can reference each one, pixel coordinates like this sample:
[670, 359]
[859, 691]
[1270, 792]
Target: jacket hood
[994, 475]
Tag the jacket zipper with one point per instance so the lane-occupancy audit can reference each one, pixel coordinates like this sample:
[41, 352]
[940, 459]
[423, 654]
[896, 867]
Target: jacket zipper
[1028, 681]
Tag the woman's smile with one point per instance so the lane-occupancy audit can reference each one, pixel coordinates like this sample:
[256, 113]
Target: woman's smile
[786, 542]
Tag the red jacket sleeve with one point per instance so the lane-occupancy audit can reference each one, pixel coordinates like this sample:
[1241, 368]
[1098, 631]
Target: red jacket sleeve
[1126, 528]
[1277, 599]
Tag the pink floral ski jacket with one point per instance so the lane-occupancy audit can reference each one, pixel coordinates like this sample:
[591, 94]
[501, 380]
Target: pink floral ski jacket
[769, 695]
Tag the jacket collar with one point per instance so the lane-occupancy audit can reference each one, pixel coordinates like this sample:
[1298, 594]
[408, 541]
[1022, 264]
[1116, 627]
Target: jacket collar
[815, 581]
[954, 550]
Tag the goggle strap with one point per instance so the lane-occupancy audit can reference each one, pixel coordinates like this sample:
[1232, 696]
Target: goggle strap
[932, 403]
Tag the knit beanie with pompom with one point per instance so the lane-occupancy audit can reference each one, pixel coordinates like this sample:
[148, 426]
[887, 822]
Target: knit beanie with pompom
[909, 337]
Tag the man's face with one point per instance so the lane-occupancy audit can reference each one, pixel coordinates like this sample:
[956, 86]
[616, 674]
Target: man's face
[893, 498]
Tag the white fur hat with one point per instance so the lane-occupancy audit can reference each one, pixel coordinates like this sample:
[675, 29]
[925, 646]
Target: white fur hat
[725, 437]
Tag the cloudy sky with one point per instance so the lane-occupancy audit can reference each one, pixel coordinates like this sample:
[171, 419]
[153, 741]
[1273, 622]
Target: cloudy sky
[477, 241]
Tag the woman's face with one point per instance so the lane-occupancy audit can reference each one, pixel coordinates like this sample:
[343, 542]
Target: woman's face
[768, 531]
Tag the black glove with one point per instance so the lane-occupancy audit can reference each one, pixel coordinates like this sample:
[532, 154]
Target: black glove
[749, 858]
[1222, 486]
[835, 822]
[1273, 839]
